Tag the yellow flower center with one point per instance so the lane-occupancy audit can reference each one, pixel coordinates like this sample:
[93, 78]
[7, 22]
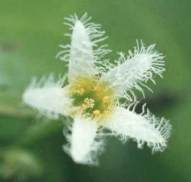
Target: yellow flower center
[92, 97]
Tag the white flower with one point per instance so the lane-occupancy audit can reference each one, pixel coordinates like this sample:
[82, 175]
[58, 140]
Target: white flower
[94, 90]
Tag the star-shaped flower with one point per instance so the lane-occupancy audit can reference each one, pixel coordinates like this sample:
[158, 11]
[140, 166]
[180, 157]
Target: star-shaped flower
[99, 95]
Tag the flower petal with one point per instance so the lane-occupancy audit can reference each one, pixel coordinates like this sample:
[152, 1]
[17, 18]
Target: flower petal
[83, 145]
[84, 50]
[136, 69]
[143, 128]
[50, 98]
[81, 53]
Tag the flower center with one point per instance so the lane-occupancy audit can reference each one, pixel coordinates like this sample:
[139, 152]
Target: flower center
[92, 97]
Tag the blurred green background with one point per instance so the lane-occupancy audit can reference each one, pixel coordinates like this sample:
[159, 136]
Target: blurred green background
[31, 146]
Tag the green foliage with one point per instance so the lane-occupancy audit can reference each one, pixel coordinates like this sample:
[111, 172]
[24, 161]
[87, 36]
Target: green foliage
[30, 32]
[19, 164]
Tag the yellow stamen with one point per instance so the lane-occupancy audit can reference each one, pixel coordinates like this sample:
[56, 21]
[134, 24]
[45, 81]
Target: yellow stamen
[80, 91]
[96, 113]
[105, 99]
[93, 98]
[97, 88]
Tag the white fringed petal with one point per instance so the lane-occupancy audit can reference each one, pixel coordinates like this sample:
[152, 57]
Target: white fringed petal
[50, 98]
[84, 51]
[83, 146]
[81, 53]
[135, 70]
[143, 128]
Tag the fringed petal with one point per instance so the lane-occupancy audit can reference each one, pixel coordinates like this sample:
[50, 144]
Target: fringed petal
[48, 96]
[135, 70]
[84, 53]
[83, 143]
[143, 128]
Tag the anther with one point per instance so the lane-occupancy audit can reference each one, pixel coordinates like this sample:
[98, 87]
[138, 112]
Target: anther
[96, 113]
[97, 88]
[105, 99]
